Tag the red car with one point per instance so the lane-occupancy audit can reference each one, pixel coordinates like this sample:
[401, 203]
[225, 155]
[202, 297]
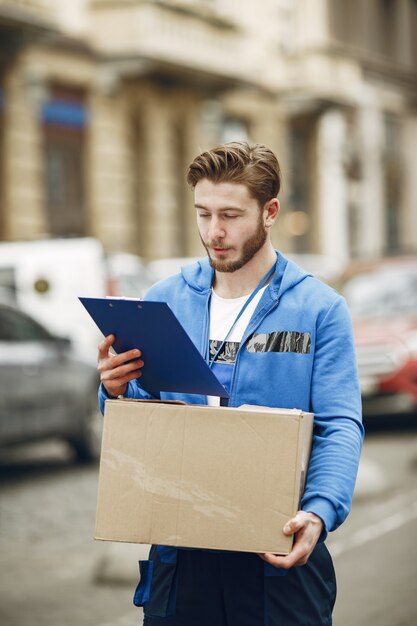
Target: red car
[382, 297]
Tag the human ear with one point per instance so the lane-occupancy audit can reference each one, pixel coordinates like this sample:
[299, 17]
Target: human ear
[271, 211]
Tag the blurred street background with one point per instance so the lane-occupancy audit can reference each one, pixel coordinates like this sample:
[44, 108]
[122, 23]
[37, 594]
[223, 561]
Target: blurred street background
[103, 103]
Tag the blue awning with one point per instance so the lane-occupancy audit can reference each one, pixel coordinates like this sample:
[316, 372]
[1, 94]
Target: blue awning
[72, 114]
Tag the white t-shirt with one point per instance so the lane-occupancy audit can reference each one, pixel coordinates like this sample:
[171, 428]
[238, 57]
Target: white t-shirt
[223, 312]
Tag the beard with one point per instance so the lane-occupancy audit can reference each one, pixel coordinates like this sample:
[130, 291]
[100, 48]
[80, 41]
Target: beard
[249, 248]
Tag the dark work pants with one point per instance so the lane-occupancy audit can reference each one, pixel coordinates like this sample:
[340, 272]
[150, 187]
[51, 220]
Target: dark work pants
[209, 588]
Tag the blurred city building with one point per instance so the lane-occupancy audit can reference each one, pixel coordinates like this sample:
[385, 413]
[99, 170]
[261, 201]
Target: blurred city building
[103, 103]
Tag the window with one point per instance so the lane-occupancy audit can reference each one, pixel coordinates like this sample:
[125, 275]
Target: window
[386, 30]
[64, 119]
[234, 129]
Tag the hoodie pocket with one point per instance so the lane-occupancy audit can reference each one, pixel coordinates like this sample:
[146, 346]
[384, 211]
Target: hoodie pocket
[157, 588]
[143, 589]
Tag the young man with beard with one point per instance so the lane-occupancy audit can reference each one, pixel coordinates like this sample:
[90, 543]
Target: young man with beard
[275, 336]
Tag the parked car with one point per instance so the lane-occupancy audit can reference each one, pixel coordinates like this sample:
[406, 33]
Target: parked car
[162, 268]
[46, 276]
[45, 392]
[327, 268]
[382, 296]
[128, 275]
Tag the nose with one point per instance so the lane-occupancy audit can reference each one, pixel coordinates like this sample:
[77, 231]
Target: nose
[216, 229]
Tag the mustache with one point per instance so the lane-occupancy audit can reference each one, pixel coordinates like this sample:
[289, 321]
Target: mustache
[217, 245]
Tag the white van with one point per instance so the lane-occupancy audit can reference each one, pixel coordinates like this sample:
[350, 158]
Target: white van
[46, 277]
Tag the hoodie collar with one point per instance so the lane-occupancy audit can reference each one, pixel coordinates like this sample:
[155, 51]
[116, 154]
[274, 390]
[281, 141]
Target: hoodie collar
[199, 275]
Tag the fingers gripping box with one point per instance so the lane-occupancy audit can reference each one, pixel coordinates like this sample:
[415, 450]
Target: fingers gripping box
[201, 477]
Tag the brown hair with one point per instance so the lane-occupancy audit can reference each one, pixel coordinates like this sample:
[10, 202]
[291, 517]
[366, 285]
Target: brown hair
[255, 166]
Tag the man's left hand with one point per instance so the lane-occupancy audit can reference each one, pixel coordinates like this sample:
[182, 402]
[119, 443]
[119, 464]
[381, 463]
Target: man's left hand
[307, 529]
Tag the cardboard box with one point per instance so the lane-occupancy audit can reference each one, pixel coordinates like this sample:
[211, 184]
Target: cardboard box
[198, 476]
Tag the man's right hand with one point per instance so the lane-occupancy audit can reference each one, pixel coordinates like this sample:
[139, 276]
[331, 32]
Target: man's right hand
[116, 370]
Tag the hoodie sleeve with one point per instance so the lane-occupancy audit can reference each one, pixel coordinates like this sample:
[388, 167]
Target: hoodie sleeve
[338, 430]
[133, 391]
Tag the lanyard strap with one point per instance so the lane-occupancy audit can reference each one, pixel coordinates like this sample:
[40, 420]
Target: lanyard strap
[242, 310]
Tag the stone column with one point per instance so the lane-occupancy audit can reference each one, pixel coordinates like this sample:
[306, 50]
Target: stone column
[110, 182]
[193, 245]
[404, 31]
[332, 198]
[24, 212]
[161, 215]
[409, 187]
[268, 124]
[371, 231]
[271, 128]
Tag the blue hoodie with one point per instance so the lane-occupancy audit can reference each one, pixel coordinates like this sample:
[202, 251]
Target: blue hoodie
[297, 352]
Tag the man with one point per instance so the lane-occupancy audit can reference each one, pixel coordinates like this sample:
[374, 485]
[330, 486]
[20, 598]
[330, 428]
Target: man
[274, 336]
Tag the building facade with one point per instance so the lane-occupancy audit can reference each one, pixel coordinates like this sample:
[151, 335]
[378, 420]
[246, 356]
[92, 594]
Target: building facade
[103, 103]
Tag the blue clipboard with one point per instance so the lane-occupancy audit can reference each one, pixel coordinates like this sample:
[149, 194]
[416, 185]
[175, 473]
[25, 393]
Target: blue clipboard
[172, 362]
